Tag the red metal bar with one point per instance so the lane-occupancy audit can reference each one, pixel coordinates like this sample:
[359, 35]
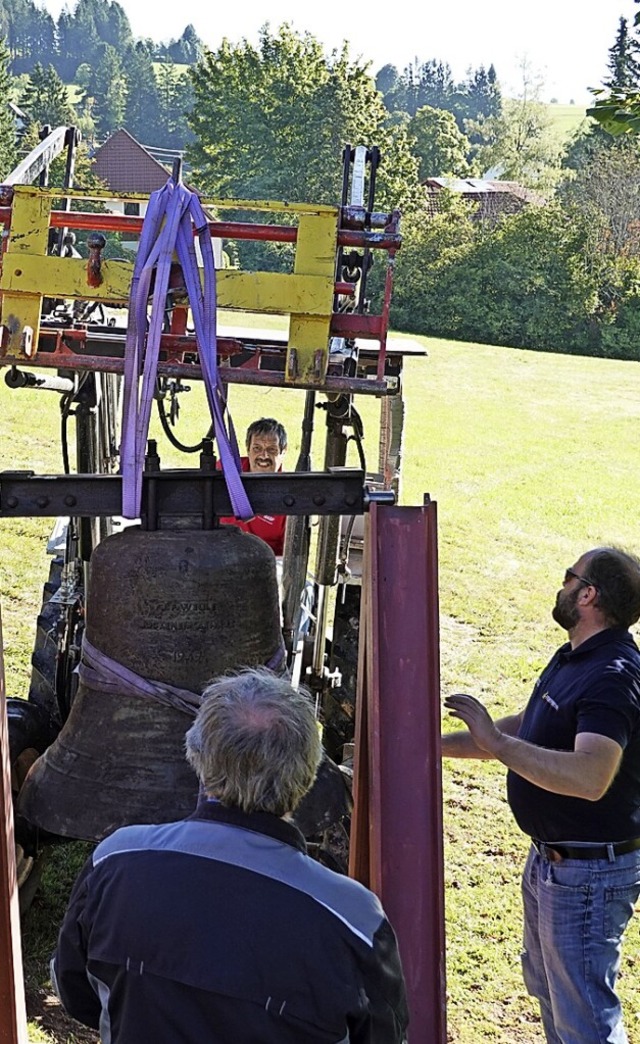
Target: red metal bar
[386, 310]
[13, 1020]
[218, 229]
[398, 786]
[248, 374]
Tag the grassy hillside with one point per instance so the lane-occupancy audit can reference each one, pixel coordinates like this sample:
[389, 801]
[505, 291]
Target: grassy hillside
[532, 458]
[566, 119]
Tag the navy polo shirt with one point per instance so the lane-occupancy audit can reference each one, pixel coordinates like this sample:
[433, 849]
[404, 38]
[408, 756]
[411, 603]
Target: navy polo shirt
[592, 688]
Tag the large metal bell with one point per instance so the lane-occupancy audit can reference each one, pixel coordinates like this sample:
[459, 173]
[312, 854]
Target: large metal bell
[175, 606]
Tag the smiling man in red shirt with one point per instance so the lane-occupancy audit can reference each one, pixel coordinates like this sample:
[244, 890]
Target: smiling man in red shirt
[266, 443]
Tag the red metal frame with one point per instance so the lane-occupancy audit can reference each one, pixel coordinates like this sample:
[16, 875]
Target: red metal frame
[13, 1020]
[57, 352]
[397, 833]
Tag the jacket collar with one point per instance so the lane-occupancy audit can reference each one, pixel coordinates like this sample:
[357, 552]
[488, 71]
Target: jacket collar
[258, 822]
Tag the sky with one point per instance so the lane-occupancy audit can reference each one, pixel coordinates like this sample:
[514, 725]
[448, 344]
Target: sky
[563, 43]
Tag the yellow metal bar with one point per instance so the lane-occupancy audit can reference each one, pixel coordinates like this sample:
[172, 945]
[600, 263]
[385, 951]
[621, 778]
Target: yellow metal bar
[308, 350]
[272, 292]
[49, 196]
[65, 277]
[28, 243]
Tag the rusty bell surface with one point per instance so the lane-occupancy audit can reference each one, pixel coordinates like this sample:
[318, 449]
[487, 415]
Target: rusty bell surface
[177, 607]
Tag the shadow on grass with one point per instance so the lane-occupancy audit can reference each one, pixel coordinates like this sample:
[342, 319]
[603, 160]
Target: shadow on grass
[48, 1022]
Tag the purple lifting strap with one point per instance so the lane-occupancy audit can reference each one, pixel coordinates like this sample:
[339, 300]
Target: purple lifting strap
[173, 214]
[102, 674]
[99, 672]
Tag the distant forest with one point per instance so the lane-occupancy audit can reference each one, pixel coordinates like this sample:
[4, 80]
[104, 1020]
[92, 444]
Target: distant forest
[555, 266]
[142, 85]
[117, 81]
[33, 36]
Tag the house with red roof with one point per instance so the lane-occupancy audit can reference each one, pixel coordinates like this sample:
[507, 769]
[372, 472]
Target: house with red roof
[127, 168]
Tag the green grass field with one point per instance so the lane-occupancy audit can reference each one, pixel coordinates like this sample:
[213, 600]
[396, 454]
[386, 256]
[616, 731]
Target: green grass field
[532, 458]
[566, 119]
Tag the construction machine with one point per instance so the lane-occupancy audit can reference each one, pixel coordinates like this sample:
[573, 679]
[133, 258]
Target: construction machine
[148, 595]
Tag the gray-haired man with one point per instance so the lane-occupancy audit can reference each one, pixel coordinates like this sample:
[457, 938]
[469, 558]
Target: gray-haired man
[220, 927]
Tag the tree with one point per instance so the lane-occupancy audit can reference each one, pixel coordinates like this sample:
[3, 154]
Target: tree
[108, 88]
[188, 49]
[440, 146]
[519, 144]
[530, 285]
[7, 126]
[585, 144]
[428, 84]
[142, 109]
[175, 101]
[82, 33]
[115, 28]
[78, 39]
[45, 100]
[525, 282]
[433, 246]
[623, 63]
[617, 104]
[29, 32]
[478, 97]
[271, 121]
[606, 190]
[392, 88]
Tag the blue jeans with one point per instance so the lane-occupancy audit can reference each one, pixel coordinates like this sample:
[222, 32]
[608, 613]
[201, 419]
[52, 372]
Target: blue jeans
[575, 914]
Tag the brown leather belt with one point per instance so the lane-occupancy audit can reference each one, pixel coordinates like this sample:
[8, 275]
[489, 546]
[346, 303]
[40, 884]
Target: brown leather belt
[556, 853]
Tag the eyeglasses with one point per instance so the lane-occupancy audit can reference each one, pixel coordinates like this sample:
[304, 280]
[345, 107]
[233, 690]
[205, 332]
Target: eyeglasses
[569, 574]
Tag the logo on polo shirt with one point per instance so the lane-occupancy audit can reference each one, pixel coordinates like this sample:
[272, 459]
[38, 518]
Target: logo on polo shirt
[552, 703]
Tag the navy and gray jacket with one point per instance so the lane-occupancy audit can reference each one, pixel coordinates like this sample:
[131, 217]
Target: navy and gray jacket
[220, 929]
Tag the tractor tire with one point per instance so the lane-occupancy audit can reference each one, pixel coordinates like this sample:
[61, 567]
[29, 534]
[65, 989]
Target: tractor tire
[33, 725]
[44, 659]
[339, 703]
[29, 735]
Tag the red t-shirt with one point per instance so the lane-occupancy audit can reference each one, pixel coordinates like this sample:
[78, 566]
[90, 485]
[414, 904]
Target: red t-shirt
[269, 528]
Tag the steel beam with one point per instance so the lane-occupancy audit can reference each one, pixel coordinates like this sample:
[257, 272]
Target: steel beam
[182, 493]
[13, 1020]
[396, 838]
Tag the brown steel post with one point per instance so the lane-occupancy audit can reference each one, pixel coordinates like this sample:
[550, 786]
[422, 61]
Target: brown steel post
[359, 854]
[13, 1021]
[398, 783]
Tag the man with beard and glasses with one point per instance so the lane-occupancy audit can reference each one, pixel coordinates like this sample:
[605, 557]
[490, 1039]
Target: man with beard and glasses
[573, 755]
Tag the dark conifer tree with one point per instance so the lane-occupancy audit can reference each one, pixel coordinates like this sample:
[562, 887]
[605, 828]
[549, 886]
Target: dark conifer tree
[392, 88]
[188, 49]
[142, 112]
[592, 142]
[7, 122]
[45, 100]
[108, 87]
[434, 85]
[624, 60]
